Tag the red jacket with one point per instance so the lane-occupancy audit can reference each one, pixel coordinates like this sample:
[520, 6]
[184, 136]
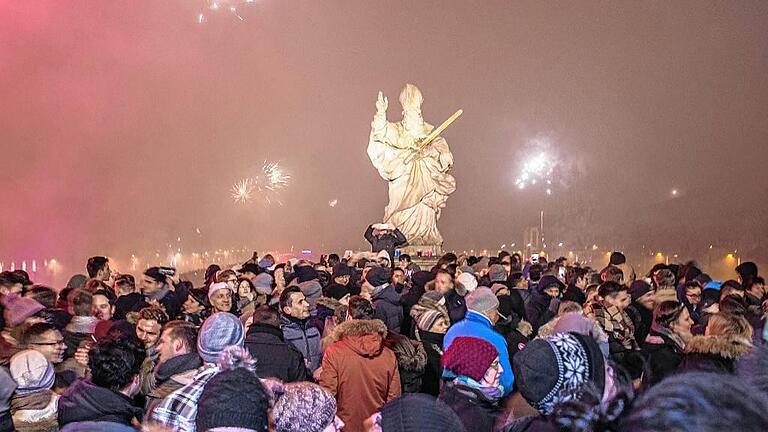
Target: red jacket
[360, 371]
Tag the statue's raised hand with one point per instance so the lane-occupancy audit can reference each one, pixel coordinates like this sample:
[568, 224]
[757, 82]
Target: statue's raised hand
[382, 103]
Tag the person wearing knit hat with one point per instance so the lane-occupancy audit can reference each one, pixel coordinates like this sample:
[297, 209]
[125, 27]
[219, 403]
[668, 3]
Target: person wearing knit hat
[236, 399]
[545, 301]
[482, 315]
[220, 338]
[219, 331]
[559, 368]
[414, 412]
[34, 406]
[220, 296]
[305, 407]
[431, 320]
[468, 281]
[385, 299]
[640, 311]
[339, 286]
[19, 309]
[497, 273]
[383, 259]
[473, 388]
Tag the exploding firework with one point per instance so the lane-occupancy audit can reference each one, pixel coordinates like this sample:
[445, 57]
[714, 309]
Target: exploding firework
[266, 185]
[538, 169]
[333, 202]
[241, 191]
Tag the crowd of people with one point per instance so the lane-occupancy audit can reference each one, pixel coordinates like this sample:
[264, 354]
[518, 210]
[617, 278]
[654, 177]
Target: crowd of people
[373, 343]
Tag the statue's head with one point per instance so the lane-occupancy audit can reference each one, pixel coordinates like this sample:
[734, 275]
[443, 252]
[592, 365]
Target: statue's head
[411, 100]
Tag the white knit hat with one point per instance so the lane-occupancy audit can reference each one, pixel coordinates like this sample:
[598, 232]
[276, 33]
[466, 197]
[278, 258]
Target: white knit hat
[468, 281]
[216, 287]
[31, 371]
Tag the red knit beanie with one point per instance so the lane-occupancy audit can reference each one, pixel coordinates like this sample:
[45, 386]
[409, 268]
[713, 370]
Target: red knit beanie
[469, 356]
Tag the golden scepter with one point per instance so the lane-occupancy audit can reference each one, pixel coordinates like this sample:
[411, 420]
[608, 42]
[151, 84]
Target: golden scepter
[436, 131]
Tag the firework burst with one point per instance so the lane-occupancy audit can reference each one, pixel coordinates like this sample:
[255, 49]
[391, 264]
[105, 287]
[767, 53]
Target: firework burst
[266, 185]
[242, 190]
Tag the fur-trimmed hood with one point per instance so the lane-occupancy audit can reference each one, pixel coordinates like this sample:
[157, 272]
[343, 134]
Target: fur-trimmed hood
[328, 302]
[729, 347]
[365, 337]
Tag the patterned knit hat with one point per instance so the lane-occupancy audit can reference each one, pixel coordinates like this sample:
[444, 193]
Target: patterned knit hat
[556, 369]
[219, 331]
[418, 412]
[427, 319]
[234, 398]
[304, 407]
[31, 371]
[469, 356]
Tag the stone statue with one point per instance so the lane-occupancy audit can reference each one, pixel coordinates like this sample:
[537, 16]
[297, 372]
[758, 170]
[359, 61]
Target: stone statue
[419, 182]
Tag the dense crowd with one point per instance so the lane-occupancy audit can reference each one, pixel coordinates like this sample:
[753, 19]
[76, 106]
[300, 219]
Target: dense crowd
[372, 343]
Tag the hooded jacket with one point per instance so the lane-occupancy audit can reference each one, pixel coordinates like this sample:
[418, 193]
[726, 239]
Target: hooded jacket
[85, 401]
[714, 353]
[386, 242]
[360, 371]
[388, 308]
[275, 358]
[411, 360]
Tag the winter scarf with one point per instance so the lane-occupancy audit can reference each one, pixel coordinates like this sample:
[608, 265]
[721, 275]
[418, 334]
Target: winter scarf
[616, 323]
[668, 333]
[493, 394]
[32, 401]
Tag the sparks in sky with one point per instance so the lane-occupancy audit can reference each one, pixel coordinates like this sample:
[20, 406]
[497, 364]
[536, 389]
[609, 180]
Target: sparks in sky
[242, 190]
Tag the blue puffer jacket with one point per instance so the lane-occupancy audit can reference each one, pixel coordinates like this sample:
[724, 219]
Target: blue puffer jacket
[305, 337]
[478, 325]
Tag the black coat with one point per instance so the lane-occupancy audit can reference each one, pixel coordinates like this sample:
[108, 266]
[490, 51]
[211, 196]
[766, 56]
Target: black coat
[541, 309]
[336, 291]
[387, 242]
[574, 294]
[433, 372]
[411, 360]
[85, 401]
[275, 357]
[388, 308]
[455, 305]
[642, 319]
[477, 413]
[664, 357]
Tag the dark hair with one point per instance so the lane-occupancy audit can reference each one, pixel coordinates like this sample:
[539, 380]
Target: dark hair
[266, 315]
[154, 313]
[503, 254]
[34, 331]
[617, 258]
[733, 305]
[81, 301]
[225, 274]
[405, 257]
[123, 281]
[9, 279]
[44, 295]
[514, 278]
[472, 260]
[609, 288]
[534, 273]
[333, 259]
[757, 280]
[95, 264]
[612, 274]
[578, 273]
[359, 308]
[185, 331]
[445, 272]
[679, 402]
[667, 312]
[285, 296]
[115, 362]
[447, 259]
[398, 269]
[103, 293]
[692, 284]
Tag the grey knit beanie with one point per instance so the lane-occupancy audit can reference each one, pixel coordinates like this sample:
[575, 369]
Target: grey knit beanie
[219, 331]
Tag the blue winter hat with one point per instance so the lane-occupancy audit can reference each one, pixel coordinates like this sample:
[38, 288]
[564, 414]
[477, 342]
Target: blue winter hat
[715, 285]
[219, 331]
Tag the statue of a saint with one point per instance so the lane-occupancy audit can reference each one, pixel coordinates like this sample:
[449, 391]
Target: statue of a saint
[419, 182]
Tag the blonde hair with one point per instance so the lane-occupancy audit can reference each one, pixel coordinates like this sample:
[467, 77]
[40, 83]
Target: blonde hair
[730, 325]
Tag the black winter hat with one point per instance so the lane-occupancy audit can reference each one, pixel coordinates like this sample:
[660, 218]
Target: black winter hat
[234, 398]
[556, 369]
[548, 281]
[341, 270]
[418, 412]
[305, 273]
[378, 276]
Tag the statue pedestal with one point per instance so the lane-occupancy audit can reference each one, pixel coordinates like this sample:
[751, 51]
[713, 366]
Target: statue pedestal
[424, 251]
